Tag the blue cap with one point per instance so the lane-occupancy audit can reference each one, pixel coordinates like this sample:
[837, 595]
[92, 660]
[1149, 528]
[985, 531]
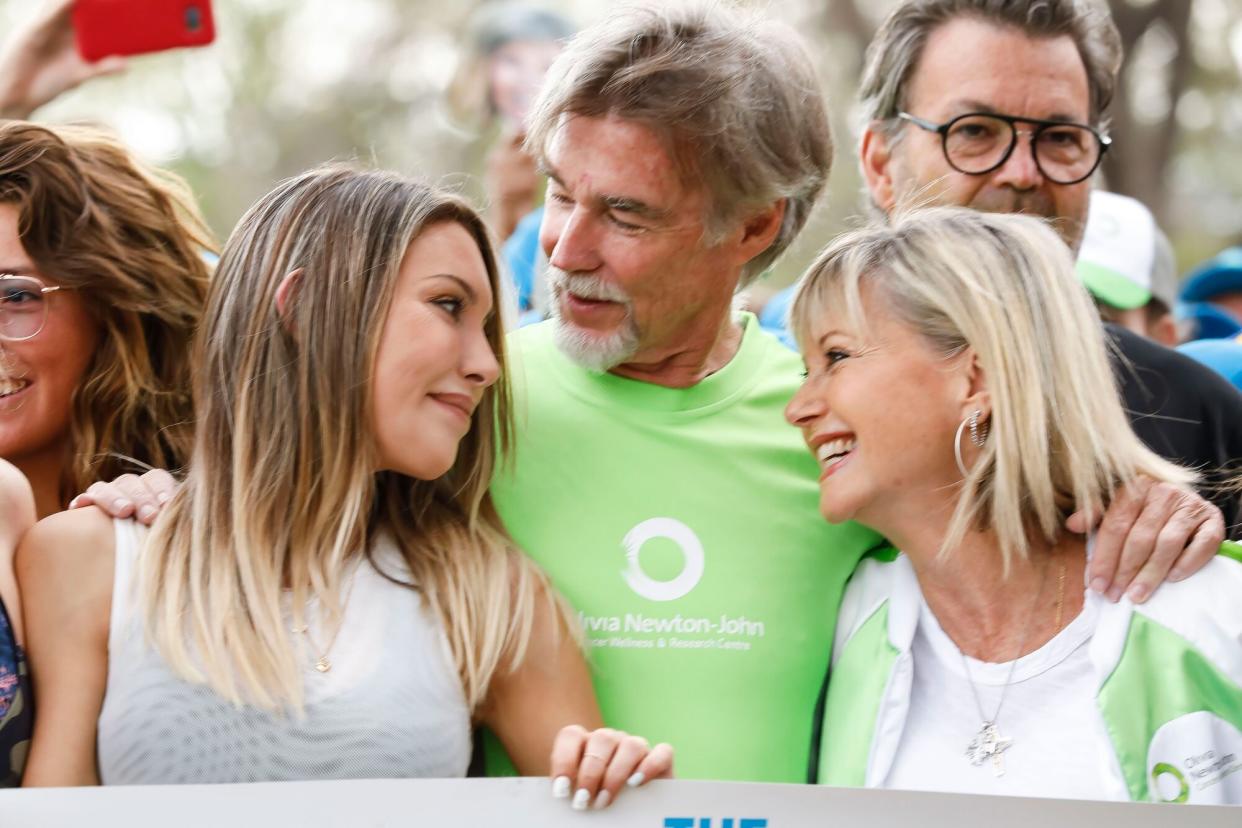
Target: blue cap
[1224, 356]
[1220, 274]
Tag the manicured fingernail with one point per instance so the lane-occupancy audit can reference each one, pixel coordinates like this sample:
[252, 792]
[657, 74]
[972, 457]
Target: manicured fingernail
[601, 800]
[73, 504]
[146, 513]
[582, 798]
[163, 497]
[1098, 584]
[121, 504]
[560, 787]
[1114, 594]
[1138, 593]
[637, 779]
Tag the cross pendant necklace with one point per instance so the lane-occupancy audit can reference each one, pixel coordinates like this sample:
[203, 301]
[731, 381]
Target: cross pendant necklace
[989, 742]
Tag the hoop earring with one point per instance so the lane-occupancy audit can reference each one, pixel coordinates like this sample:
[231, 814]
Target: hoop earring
[975, 437]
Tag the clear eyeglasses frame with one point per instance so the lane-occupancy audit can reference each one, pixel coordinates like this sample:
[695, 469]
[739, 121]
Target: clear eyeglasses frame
[976, 143]
[23, 306]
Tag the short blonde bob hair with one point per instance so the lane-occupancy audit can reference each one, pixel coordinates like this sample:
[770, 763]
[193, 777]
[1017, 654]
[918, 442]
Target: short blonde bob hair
[1004, 287]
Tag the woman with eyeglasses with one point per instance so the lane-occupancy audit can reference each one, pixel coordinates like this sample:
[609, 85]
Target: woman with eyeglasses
[330, 594]
[102, 282]
[960, 402]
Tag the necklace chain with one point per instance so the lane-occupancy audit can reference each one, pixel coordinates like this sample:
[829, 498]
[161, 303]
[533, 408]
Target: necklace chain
[322, 663]
[989, 742]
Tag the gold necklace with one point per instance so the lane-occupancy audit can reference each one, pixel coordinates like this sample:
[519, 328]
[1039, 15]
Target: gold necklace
[1060, 595]
[323, 664]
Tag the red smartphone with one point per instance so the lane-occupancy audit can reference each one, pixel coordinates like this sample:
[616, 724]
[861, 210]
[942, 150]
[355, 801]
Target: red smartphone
[132, 27]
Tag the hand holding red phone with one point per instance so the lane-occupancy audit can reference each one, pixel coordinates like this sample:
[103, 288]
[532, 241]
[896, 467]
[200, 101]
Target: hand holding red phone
[41, 61]
[131, 27]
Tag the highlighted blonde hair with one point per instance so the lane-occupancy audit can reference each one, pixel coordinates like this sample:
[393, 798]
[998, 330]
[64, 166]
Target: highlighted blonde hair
[282, 493]
[129, 239]
[1004, 287]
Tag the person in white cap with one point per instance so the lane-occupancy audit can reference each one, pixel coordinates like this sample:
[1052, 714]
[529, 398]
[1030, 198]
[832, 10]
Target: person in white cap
[1127, 263]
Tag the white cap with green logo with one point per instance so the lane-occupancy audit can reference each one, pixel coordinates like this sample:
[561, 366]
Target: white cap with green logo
[1125, 261]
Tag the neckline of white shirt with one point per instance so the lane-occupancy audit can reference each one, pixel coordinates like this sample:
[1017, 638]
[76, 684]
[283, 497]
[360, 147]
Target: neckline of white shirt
[1060, 647]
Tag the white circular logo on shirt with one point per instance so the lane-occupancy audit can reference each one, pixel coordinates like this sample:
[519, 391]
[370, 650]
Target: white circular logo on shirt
[691, 553]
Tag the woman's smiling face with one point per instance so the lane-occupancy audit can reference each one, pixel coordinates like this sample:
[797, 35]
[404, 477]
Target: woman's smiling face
[39, 375]
[879, 410]
[434, 360]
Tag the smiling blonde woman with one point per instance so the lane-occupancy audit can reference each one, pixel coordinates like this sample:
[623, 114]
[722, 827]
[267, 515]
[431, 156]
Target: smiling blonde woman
[960, 402]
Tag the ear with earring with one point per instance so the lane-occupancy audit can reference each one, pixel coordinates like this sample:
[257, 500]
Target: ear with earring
[978, 436]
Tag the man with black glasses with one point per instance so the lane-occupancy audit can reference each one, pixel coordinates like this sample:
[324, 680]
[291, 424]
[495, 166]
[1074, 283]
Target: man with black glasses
[1001, 105]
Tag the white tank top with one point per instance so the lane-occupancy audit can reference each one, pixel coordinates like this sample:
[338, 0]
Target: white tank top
[391, 705]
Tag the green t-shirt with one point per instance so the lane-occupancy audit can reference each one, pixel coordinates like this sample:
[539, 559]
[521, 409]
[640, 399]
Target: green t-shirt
[683, 524]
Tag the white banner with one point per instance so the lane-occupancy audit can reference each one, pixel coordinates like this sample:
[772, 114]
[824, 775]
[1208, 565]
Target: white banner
[528, 803]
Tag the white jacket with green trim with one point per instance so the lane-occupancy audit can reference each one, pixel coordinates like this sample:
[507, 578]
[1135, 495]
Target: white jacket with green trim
[1169, 684]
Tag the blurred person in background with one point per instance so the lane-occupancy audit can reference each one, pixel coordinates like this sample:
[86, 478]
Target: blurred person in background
[1001, 105]
[330, 594]
[1224, 356]
[102, 283]
[1127, 263]
[513, 45]
[1211, 297]
[958, 399]
[17, 514]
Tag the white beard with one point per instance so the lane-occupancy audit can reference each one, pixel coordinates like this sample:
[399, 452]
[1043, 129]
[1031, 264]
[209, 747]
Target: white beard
[592, 351]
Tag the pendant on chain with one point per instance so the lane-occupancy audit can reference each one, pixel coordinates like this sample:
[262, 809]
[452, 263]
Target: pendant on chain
[989, 743]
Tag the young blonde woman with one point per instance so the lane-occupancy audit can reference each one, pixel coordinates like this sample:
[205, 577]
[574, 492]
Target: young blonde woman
[960, 402]
[330, 593]
[102, 283]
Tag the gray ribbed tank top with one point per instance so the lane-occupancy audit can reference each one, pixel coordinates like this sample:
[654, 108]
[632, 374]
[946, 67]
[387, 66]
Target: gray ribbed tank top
[391, 705]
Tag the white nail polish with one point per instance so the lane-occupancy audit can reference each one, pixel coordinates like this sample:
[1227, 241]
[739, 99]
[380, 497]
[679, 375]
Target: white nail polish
[637, 779]
[560, 787]
[582, 798]
[601, 800]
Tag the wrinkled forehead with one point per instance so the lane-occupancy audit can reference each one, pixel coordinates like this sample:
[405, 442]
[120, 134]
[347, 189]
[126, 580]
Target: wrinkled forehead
[972, 65]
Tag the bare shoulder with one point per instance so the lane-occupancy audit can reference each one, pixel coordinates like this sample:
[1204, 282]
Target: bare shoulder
[17, 506]
[65, 565]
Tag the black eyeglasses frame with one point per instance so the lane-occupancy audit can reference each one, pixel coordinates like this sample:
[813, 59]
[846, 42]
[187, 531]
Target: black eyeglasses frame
[1103, 140]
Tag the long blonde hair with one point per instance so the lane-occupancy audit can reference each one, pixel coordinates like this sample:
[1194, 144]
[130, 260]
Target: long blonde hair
[1003, 286]
[130, 240]
[281, 491]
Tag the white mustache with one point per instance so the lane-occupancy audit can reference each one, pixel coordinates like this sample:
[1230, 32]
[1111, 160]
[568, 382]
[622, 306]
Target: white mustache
[588, 287]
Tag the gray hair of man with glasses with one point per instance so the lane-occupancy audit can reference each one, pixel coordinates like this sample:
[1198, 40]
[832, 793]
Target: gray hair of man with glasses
[898, 46]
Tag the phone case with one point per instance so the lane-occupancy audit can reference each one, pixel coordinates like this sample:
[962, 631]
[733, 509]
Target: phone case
[131, 27]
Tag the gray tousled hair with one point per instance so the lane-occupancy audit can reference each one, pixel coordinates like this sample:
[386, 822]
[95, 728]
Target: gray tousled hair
[898, 46]
[735, 98]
